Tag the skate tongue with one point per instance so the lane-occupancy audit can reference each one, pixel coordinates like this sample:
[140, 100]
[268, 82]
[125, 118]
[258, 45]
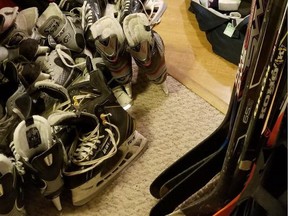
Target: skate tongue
[51, 20]
[106, 27]
[7, 17]
[84, 120]
[31, 136]
[137, 29]
[26, 19]
[52, 89]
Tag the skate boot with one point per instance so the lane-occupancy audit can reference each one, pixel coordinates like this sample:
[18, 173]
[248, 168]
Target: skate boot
[59, 65]
[41, 156]
[11, 194]
[147, 48]
[8, 85]
[107, 141]
[28, 73]
[7, 17]
[64, 28]
[22, 28]
[30, 49]
[18, 82]
[110, 43]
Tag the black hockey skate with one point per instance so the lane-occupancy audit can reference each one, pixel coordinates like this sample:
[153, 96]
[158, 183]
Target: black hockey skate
[106, 140]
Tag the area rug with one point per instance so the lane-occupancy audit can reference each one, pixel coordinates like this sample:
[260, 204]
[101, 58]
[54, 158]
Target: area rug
[173, 124]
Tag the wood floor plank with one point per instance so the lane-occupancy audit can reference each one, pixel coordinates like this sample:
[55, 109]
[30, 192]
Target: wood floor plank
[190, 59]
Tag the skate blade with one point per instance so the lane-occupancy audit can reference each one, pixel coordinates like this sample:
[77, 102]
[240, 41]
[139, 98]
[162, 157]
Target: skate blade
[122, 97]
[128, 89]
[57, 203]
[135, 146]
[165, 87]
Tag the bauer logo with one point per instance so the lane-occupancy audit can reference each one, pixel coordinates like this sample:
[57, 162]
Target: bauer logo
[52, 27]
[61, 37]
[66, 38]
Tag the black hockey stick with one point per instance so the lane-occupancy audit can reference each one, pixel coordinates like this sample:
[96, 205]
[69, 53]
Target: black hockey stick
[267, 190]
[276, 118]
[216, 141]
[225, 190]
[176, 196]
[276, 80]
[212, 145]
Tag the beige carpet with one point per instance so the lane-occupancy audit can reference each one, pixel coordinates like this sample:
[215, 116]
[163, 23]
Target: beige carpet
[172, 124]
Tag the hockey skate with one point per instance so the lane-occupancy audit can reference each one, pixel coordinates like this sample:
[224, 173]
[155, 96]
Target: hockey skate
[65, 28]
[147, 48]
[41, 156]
[7, 17]
[21, 29]
[110, 43]
[11, 193]
[106, 141]
[60, 65]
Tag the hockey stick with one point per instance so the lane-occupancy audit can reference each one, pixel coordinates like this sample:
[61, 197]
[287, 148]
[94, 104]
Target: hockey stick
[224, 190]
[217, 138]
[177, 195]
[266, 192]
[279, 108]
[187, 163]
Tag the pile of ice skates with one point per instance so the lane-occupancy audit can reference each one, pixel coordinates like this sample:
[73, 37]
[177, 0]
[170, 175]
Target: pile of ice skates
[65, 83]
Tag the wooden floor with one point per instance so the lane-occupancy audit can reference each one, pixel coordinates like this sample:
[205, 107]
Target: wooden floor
[190, 59]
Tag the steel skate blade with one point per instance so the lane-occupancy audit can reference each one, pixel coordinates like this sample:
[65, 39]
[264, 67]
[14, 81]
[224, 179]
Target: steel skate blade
[128, 89]
[122, 97]
[57, 203]
[164, 87]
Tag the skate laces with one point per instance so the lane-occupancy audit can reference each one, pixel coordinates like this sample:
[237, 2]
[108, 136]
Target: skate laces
[74, 104]
[63, 56]
[89, 143]
[86, 15]
[124, 6]
[151, 13]
[16, 160]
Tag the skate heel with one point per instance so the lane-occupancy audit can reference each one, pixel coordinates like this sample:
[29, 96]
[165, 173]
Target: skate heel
[128, 151]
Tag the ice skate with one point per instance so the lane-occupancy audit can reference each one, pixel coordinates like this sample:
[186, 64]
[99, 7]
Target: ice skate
[65, 28]
[110, 43]
[107, 140]
[41, 156]
[147, 48]
[11, 184]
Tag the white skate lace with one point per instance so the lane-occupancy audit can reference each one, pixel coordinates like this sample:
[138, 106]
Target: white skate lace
[86, 15]
[126, 6]
[63, 56]
[151, 13]
[89, 143]
[16, 160]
